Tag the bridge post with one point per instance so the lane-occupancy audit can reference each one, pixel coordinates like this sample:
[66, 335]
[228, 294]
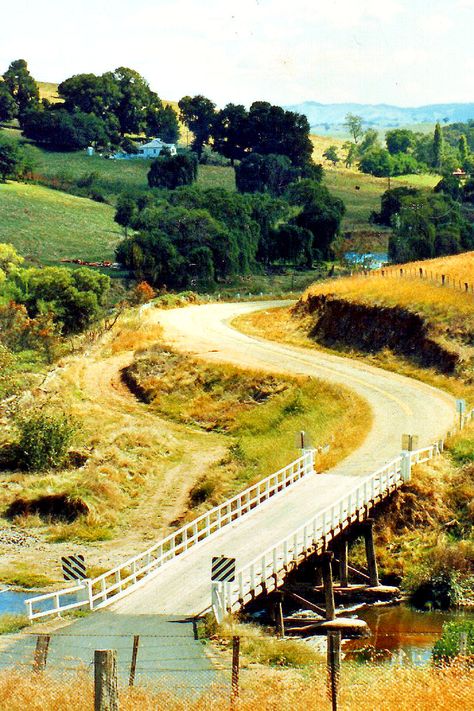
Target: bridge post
[328, 585]
[279, 621]
[343, 563]
[406, 466]
[370, 552]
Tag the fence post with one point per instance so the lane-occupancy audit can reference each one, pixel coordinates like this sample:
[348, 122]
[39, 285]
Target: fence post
[334, 666]
[105, 680]
[133, 665]
[406, 466]
[234, 694]
[41, 652]
[279, 621]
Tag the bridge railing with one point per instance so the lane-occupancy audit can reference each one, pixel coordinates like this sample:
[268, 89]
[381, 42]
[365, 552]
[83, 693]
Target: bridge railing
[136, 571]
[264, 572]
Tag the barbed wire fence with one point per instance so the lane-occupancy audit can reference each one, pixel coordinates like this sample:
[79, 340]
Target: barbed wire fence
[152, 671]
[448, 281]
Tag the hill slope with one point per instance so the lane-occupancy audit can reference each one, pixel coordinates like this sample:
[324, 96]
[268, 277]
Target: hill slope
[48, 225]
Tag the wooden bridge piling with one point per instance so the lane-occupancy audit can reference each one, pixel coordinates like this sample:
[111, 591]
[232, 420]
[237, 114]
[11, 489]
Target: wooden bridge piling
[326, 566]
[343, 562]
[368, 530]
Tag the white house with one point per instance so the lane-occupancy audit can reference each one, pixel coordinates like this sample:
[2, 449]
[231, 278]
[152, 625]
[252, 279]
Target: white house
[154, 148]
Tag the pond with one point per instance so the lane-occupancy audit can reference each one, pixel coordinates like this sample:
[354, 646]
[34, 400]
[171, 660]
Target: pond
[401, 634]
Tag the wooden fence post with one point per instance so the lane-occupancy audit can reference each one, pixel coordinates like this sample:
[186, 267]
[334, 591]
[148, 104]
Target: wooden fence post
[334, 666]
[105, 680]
[279, 622]
[343, 559]
[41, 652]
[133, 665]
[234, 694]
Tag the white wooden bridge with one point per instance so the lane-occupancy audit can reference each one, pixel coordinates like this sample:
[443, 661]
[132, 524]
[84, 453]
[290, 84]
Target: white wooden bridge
[271, 526]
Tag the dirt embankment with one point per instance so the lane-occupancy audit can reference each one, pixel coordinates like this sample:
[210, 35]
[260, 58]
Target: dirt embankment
[336, 321]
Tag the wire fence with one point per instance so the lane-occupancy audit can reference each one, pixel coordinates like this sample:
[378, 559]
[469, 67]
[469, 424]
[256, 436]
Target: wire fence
[449, 281]
[155, 672]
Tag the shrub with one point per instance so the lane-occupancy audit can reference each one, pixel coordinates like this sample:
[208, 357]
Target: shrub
[44, 440]
[451, 643]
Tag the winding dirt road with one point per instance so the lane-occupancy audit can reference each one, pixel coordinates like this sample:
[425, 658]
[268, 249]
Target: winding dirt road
[399, 405]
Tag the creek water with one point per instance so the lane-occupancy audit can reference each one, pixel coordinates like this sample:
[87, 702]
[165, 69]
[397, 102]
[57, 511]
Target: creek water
[401, 634]
[12, 602]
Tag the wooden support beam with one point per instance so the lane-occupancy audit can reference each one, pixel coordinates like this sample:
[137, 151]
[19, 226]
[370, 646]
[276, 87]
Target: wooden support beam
[343, 567]
[328, 585]
[370, 552]
[306, 603]
[355, 571]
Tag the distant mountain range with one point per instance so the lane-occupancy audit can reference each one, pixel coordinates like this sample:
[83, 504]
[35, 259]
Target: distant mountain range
[329, 116]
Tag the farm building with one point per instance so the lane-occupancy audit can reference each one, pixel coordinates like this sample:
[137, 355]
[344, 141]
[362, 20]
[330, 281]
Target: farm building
[148, 150]
[154, 148]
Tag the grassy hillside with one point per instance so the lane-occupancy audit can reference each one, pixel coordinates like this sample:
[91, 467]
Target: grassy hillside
[47, 225]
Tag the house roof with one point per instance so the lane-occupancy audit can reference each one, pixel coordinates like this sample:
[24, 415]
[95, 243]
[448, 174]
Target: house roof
[155, 143]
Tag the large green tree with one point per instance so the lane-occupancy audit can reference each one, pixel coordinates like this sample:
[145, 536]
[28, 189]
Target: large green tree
[264, 174]
[172, 171]
[198, 113]
[230, 132]
[400, 140]
[21, 85]
[8, 105]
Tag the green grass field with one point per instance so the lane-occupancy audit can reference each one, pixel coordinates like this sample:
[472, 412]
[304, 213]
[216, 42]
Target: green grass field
[47, 225]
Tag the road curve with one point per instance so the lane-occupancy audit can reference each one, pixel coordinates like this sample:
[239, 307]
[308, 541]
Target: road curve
[399, 405]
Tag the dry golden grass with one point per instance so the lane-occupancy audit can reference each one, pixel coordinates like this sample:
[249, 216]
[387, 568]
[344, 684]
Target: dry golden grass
[459, 266]
[368, 688]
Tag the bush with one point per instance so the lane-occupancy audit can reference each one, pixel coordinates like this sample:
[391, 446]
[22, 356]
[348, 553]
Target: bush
[451, 643]
[44, 440]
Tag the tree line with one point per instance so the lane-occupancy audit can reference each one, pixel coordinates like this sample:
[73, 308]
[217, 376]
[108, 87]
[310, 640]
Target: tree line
[428, 223]
[192, 237]
[404, 151]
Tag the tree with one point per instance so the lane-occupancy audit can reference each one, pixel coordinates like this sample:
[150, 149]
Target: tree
[370, 140]
[21, 85]
[63, 130]
[126, 211]
[10, 159]
[463, 150]
[92, 94]
[391, 204]
[353, 123]
[400, 140]
[264, 173]
[172, 171]
[293, 244]
[8, 105]
[162, 121]
[198, 113]
[438, 148]
[272, 130]
[321, 214]
[378, 162]
[331, 155]
[230, 132]
[135, 99]
[351, 153]
[10, 261]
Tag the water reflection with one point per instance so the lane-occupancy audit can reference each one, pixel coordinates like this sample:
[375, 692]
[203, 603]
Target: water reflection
[400, 634]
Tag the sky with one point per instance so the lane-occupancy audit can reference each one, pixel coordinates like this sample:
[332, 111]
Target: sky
[402, 52]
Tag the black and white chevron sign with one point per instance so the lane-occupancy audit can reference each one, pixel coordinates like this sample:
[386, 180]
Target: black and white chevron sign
[223, 569]
[74, 567]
